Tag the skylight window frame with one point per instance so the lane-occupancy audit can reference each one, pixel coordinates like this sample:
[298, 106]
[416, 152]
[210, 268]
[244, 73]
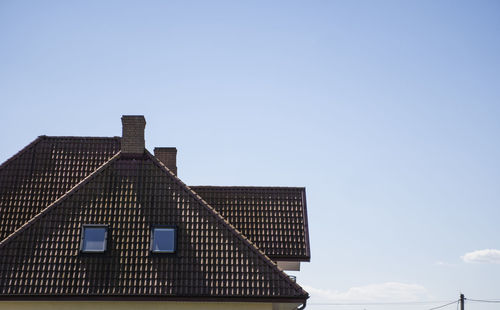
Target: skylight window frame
[82, 238]
[152, 234]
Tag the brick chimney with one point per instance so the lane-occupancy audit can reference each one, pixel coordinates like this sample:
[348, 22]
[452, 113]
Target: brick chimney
[168, 157]
[133, 134]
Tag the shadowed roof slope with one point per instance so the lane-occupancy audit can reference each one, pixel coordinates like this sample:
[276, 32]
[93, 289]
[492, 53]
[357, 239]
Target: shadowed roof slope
[44, 171]
[274, 218]
[213, 260]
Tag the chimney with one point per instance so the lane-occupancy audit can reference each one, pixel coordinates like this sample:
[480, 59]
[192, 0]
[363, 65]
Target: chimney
[133, 134]
[168, 157]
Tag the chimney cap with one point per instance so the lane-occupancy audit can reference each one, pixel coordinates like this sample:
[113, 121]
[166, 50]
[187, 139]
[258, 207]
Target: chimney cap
[133, 117]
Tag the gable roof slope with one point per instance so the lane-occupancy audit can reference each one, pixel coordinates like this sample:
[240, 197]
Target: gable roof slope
[44, 171]
[274, 218]
[213, 260]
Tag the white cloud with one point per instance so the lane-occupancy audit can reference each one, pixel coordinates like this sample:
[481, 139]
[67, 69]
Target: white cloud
[483, 256]
[380, 292]
[441, 263]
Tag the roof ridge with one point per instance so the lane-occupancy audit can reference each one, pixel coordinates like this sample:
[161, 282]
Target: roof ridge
[22, 151]
[233, 229]
[248, 187]
[82, 137]
[59, 200]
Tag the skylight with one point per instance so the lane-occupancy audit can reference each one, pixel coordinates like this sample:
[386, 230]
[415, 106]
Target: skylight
[163, 239]
[94, 238]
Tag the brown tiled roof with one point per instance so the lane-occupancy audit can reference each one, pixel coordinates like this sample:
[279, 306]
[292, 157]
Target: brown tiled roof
[274, 218]
[44, 171]
[213, 259]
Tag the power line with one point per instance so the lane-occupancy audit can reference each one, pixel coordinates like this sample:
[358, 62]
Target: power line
[457, 302]
[484, 300]
[377, 303]
[453, 302]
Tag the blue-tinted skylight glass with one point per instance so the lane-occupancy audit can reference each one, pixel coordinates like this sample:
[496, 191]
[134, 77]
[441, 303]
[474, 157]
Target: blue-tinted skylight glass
[164, 240]
[94, 239]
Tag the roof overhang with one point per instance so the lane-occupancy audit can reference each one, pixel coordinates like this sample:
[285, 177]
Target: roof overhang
[151, 298]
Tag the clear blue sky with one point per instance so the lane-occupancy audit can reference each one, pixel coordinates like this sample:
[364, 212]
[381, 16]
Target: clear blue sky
[387, 111]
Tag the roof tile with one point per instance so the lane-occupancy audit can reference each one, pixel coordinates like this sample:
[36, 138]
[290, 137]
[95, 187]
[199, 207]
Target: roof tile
[130, 195]
[44, 171]
[274, 218]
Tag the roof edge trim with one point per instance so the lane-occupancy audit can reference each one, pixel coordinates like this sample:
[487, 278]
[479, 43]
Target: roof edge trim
[248, 187]
[22, 151]
[82, 137]
[151, 298]
[59, 200]
[306, 224]
[290, 258]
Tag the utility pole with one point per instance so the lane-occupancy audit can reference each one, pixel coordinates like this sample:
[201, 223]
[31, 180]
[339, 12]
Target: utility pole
[462, 302]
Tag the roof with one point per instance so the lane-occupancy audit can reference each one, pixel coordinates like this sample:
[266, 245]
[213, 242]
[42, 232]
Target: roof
[45, 170]
[274, 218]
[213, 259]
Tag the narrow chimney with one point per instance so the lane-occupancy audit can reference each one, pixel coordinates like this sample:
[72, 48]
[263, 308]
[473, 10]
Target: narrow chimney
[133, 134]
[168, 157]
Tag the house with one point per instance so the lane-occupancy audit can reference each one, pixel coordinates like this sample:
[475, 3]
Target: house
[101, 223]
